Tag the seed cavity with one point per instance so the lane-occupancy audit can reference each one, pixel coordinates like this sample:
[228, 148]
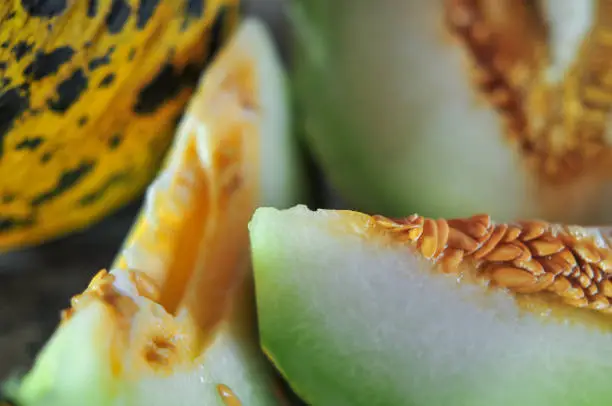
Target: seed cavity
[548, 80]
[160, 352]
[524, 258]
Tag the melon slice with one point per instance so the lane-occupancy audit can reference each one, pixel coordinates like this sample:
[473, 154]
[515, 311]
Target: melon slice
[407, 105]
[366, 310]
[172, 323]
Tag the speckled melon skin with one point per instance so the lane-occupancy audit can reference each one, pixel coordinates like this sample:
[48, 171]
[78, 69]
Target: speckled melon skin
[90, 93]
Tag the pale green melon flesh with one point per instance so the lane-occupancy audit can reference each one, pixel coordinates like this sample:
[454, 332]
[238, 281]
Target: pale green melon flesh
[74, 366]
[352, 319]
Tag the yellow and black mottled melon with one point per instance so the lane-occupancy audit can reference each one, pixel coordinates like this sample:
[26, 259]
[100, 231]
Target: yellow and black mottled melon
[90, 93]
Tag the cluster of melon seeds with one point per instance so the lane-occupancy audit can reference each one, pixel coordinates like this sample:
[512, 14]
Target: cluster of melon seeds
[90, 93]
[547, 77]
[569, 263]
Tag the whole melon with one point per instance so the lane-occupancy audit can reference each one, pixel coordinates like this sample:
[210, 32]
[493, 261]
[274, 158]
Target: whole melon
[90, 94]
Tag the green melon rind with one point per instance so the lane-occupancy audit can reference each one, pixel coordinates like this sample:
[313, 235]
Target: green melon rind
[329, 321]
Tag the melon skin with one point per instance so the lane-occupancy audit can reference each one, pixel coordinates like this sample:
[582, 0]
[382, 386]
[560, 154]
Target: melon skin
[351, 318]
[127, 85]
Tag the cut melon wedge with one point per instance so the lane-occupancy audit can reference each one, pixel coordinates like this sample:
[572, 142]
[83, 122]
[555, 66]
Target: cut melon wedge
[173, 322]
[428, 106]
[365, 310]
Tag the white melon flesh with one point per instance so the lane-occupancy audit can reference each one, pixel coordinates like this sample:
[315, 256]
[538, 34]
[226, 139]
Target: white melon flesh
[173, 322]
[352, 317]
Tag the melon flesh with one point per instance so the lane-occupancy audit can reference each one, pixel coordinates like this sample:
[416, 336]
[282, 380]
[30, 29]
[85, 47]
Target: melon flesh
[393, 113]
[353, 316]
[90, 361]
[173, 322]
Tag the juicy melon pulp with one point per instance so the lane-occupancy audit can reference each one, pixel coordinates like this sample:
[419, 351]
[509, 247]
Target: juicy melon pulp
[173, 322]
[361, 310]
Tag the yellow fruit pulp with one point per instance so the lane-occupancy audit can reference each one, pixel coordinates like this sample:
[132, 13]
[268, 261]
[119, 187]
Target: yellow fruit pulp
[198, 207]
